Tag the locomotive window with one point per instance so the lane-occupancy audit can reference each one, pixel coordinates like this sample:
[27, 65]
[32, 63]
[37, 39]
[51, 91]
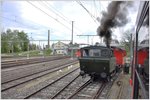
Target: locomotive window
[85, 53]
[94, 53]
[104, 53]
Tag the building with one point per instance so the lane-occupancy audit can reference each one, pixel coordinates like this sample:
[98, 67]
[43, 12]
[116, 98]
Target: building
[60, 48]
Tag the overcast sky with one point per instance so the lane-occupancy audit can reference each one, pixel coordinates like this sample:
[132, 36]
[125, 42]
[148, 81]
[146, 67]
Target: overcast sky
[37, 17]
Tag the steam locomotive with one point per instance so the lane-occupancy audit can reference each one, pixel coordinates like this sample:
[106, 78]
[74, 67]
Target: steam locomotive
[97, 61]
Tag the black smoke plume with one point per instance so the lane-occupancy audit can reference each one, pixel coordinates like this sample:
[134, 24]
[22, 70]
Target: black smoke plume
[116, 16]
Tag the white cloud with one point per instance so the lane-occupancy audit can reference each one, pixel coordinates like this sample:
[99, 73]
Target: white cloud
[83, 23]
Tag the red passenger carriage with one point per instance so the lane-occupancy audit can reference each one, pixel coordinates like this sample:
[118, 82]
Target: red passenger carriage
[78, 53]
[120, 55]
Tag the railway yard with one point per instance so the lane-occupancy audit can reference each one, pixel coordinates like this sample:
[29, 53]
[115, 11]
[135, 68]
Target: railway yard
[57, 78]
[88, 49]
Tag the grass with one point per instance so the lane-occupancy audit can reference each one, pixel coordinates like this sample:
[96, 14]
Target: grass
[30, 53]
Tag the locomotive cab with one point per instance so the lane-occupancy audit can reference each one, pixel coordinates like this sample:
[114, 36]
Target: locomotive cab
[97, 61]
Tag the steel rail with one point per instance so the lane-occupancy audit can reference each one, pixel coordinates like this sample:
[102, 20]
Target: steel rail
[66, 64]
[30, 95]
[81, 88]
[51, 71]
[55, 95]
[101, 88]
[29, 61]
[31, 58]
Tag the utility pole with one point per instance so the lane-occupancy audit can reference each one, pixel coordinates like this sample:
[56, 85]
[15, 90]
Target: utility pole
[48, 38]
[12, 44]
[72, 42]
[87, 37]
[72, 32]
[31, 42]
[28, 50]
[131, 56]
[2, 29]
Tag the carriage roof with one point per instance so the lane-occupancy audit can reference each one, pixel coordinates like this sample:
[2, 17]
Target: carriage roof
[95, 47]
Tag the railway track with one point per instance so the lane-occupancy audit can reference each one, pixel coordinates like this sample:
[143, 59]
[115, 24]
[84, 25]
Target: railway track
[89, 90]
[21, 72]
[13, 83]
[12, 63]
[52, 84]
[13, 92]
[94, 90]
[67, 86]
[86, 89]
[99, 91]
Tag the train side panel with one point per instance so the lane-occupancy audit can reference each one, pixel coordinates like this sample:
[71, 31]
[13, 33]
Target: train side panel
[112, 64]
[146, 66]
[94, 66]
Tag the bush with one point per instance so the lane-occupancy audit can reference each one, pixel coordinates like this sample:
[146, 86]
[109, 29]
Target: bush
[47, 52]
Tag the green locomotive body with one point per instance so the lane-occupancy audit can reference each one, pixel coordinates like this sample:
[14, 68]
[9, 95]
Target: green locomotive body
[97, 61]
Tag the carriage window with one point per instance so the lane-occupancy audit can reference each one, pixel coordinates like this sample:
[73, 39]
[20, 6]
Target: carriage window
[143, 41]
[143, 37]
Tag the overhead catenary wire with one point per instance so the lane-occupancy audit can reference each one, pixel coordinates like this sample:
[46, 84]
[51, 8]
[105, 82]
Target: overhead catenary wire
[48, 7]
[58, 13]
[93, 17]
[19, 18]
[96, 8]
[52, 17]
[13, 20]
[49, 15]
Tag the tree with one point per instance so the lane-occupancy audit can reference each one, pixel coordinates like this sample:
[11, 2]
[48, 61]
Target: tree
[14, 41]
[4, 45]
[126, 40]
[23, 38]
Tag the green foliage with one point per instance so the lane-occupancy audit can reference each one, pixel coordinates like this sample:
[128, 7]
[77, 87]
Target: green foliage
[24, 40]
[14, 41]
[34, 53]
[4, 45]
[126, 40]
[47, 52]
